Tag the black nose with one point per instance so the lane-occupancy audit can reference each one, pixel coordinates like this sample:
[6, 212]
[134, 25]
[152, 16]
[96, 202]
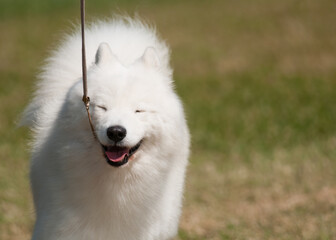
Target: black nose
[116, 133]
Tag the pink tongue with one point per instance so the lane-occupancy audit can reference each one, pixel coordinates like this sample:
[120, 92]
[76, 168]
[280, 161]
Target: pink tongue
[116, 156]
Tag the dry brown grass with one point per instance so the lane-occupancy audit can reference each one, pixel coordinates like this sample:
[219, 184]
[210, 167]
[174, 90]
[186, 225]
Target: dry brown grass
[270, 198]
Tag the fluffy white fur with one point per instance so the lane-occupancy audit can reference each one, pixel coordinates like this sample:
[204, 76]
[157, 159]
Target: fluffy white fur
[77, 195]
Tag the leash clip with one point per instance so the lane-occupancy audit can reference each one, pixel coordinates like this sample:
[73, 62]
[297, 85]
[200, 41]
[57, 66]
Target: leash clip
[86, 100]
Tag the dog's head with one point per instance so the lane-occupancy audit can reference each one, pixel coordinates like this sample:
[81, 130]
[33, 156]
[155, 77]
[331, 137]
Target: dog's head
[131, 106]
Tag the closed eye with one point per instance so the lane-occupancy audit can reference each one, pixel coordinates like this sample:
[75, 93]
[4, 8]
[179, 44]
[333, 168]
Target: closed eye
[102, 107]
[139, 111]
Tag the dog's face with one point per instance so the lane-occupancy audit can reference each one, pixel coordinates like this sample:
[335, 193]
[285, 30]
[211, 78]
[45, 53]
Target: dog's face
[129, 104]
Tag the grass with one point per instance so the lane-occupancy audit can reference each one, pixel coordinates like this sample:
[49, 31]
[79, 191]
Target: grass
[258, 82]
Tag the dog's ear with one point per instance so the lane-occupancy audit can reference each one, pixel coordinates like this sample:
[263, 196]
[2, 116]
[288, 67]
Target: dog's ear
[150, 58]
[104, 54]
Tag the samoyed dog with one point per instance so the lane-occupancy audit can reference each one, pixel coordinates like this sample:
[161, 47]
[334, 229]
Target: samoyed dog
[127, 183]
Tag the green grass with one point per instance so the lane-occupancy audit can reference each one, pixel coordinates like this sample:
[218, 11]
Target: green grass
[258, 82]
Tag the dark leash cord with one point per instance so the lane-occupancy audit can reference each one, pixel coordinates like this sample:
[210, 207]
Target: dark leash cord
[86, 98]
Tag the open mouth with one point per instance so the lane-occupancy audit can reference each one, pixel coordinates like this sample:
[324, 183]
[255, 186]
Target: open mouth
[117, 156]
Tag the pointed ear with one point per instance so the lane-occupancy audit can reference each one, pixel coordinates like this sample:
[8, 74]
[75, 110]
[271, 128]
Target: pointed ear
[104, 54]
[150, 58]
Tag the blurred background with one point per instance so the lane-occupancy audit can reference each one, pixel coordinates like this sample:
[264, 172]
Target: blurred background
[258, 80]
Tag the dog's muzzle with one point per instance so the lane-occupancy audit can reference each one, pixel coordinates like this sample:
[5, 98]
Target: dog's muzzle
[117, 156]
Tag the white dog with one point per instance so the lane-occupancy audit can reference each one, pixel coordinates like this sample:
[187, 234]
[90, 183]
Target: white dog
[127, 184]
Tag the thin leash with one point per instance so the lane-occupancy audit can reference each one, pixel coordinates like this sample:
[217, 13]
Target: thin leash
[86, 98]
